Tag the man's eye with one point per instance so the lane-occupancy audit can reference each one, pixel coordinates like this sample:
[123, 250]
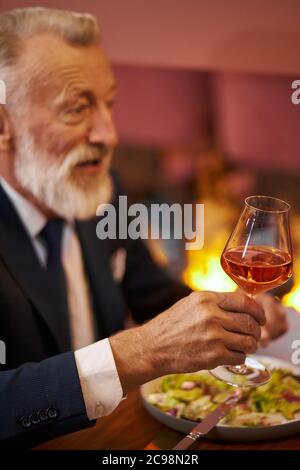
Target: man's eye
[78, 109]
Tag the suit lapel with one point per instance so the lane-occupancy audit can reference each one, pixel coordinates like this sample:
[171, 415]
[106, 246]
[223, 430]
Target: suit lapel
[18, 254]
[107, 295]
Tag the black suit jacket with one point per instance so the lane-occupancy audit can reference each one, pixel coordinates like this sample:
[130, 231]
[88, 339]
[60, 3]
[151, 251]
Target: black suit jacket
[40, 394]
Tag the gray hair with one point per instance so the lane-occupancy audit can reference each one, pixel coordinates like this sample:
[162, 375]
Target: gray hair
[75, 28]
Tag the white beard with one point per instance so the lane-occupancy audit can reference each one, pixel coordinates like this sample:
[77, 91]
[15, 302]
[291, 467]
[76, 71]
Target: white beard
[50, 179]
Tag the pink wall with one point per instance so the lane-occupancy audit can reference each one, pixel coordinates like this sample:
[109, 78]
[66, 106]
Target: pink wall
[162, 105]
[234, 35]
[159, 107]
[257, 123]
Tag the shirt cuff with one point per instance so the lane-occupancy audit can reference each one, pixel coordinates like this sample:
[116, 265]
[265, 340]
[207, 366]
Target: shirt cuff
[99, 379]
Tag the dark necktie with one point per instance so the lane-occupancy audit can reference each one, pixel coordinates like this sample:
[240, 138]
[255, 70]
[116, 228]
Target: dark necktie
[52, 237]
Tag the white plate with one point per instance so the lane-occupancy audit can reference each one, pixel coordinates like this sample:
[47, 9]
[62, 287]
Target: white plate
[225, 431]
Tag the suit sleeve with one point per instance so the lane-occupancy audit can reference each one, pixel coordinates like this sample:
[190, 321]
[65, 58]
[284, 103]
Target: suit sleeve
[148, 288]
[41, 401]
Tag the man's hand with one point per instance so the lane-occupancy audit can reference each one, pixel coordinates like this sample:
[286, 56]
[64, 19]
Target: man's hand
[201, 331]
[276, 319]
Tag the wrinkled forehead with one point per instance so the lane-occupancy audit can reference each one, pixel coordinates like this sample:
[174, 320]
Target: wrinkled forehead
[53, 67]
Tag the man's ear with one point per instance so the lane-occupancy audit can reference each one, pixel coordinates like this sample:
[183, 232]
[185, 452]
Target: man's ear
[5, 130]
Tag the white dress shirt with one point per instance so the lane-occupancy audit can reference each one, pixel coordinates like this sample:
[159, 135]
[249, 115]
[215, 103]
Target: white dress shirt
[101, 387]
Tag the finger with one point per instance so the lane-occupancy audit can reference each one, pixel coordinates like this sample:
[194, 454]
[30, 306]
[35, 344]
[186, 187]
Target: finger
[276, 320]
[264, 343]
[239, 302]
[265, 337]
[277, 316]
[284, 326]
[274, 331]
[241, 323]
[234, 358]
[275, 312]
[240, 343]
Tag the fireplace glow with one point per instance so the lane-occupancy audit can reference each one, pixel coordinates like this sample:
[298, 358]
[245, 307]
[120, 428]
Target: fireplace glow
[292, 299]
[204, 271]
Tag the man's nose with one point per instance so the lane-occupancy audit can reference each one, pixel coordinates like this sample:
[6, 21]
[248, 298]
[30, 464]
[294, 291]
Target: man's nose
[103, 129]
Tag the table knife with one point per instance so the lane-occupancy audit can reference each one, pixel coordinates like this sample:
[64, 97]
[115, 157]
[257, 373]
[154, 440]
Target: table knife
[206, 425]
[209, 422]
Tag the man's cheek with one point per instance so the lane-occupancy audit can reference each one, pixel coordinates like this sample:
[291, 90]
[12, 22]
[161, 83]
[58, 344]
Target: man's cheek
[55, 140]
[66, 138]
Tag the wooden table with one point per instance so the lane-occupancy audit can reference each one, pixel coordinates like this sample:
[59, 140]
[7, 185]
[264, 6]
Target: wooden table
[131, 427]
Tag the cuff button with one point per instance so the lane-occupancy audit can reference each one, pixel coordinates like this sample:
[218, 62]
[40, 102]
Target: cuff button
[52, 413]
[34, 418]
[25, 422]
[43, 415]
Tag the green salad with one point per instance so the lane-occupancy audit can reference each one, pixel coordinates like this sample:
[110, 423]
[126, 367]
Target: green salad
[194, 396]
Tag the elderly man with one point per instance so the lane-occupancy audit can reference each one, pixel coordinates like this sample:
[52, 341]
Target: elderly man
[68, 363]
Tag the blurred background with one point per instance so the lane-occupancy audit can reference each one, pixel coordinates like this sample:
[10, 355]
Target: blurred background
[204, 112]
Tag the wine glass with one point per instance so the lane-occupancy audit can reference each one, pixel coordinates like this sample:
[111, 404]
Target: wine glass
[257, 257]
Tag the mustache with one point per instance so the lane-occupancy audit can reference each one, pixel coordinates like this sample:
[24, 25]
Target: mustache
[84, 153]
[81, 154]
[88, 153]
